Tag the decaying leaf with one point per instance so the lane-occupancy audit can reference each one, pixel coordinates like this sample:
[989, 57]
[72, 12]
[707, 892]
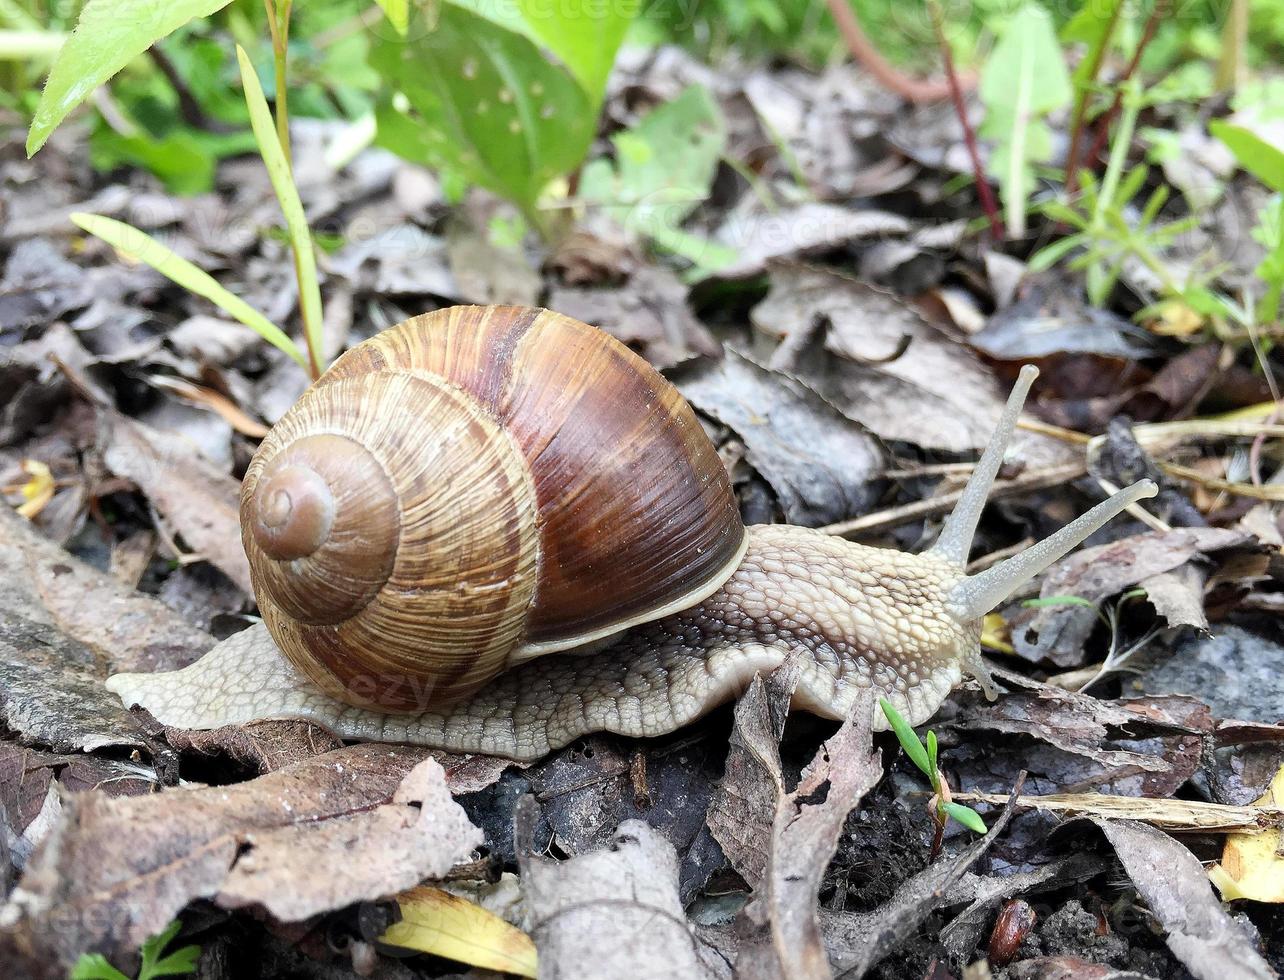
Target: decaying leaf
[63, 628]
[648, 312]
[1198, 929]
[1076, 723]
[1058, 632]
[613, 912]
[437, 922]
[804, 835]
[348, 826]
[199, 501]
[820, 464]
[1176, 816]
[759, 237]
[743, 807]
[885, 356]
[1251, 864]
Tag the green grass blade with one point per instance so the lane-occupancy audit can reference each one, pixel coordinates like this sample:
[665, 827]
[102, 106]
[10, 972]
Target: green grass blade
[141, 246]
[965, 815]
[287, 195]
[905, 735]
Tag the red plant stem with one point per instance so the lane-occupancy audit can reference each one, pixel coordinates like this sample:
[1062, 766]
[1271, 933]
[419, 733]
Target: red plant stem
[1081, 106]
[1103, 128]
[983, 189]
[863, 50]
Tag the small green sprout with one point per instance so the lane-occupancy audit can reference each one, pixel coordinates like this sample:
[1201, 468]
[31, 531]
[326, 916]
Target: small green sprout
[180, 963]
[1120, 654]
[923, 753]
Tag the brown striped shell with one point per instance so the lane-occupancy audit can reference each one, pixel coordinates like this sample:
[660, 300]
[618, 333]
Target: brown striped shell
[472, 488]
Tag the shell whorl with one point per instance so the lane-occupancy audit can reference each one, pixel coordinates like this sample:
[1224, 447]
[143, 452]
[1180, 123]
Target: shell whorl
[427, 565]
[472, 488]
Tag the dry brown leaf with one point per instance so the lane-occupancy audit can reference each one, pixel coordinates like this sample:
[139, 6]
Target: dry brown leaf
[349, 826]
[743, 806]
[821, 466]
[1058, 632]
[611, 913]
[1176, 816]
[879, 356]
[199, 501]
[215, 401]
[1197, 928]
[63, 628]
[804, 836]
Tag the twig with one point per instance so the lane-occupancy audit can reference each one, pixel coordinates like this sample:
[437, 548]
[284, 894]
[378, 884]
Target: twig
[1081, 105]
[1103, 127]
[863, 50]
[895, 516]
[983, 189]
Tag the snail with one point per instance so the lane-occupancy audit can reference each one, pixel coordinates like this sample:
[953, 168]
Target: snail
[496, 529]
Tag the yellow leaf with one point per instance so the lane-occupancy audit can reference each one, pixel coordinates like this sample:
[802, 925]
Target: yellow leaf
[437, 922]
[994, 633]
[38, 491]
[1252, 866]
[1176, 319]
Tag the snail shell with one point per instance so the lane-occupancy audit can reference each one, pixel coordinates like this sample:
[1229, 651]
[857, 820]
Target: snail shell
[473, 488]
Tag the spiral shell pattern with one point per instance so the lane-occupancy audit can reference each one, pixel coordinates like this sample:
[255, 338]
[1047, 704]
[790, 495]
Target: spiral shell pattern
[472, 488]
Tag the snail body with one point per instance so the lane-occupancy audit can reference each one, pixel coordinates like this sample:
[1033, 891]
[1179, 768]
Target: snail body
[496, 529]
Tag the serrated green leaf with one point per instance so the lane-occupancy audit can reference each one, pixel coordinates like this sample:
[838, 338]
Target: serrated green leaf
[477, 100]
[1254, 154]
[287, 195]
[965, 815]
[108, 35]
[142, 247]
[906, 736]
[179, 963]
[94, 966]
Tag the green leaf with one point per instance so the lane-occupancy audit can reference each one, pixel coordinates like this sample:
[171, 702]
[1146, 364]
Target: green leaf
[287, 195]
[94, 966]
[1050, 255]
[109, 34]
[180, 962]
[662, 172]
[181, 163]
[931, 755]
[1024, 79]
[142, 247]
[905, 735]
[1254, 154]
[585, 36]
[965, 815]
[1058, 600]
[398, 14]
[477, 100]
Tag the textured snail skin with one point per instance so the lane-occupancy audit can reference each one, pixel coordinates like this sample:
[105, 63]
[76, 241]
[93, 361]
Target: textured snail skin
[855, 617]
[851, 616]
